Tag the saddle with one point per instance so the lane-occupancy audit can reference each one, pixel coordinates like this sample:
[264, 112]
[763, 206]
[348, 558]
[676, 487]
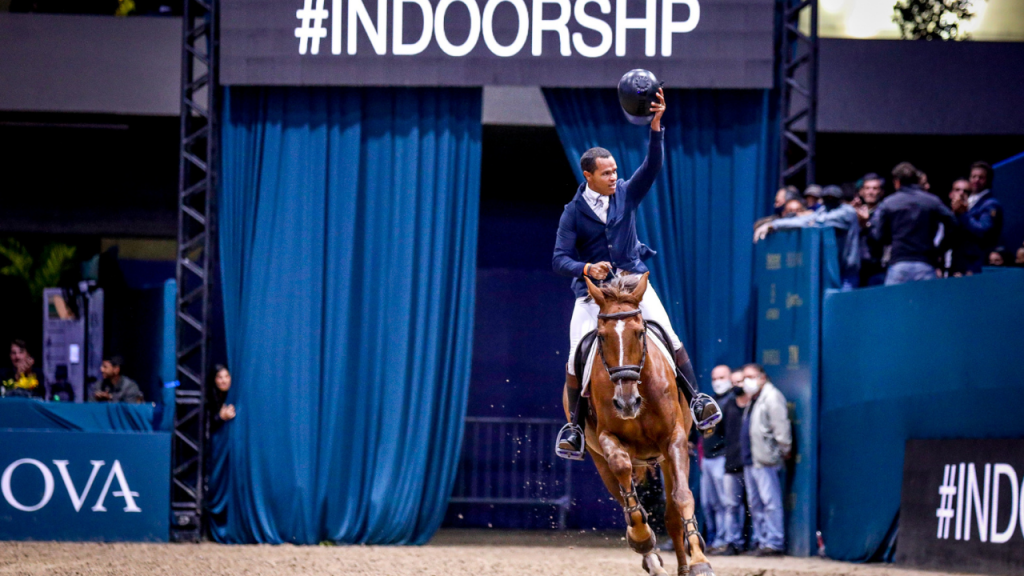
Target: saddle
[585, 352]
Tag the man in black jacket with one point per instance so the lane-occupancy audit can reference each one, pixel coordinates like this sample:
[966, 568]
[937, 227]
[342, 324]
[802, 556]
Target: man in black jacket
[909, 220]
[712, 467]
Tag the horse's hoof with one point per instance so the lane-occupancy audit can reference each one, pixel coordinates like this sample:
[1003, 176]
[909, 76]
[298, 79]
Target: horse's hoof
[701, 569]
[653, 565]
[645, 547]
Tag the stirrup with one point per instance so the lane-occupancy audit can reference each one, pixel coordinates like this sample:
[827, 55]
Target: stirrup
[563, 434]
[701, 402]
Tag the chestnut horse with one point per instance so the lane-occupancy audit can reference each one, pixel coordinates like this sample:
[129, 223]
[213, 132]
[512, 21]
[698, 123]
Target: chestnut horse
[635, 420]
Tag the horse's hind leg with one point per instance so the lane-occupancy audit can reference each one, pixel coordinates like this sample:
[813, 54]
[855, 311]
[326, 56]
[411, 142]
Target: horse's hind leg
[616, 469]
[679, 516]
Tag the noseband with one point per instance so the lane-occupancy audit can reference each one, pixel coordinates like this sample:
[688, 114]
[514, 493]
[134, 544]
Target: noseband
[629, 371]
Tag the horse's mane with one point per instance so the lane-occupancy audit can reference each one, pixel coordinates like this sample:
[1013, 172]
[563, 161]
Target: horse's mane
[620, 289]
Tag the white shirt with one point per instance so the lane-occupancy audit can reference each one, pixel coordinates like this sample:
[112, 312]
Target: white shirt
[598, 203]
[973, 199]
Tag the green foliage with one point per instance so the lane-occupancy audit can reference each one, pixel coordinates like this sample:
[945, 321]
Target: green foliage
[54, 260]
[932, 19]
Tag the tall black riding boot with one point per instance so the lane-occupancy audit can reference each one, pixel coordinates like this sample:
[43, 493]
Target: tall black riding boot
[706, 413]
[569, 444]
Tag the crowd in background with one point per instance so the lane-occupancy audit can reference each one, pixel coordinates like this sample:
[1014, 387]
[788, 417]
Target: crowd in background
[744, 463]
[896, 231]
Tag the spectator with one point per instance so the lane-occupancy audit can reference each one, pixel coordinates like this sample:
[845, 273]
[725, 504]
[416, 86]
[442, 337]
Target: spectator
[836, 214]
[980, 219]
[19, 380]
[1019, 258]
[732, 482]
[712, 467]
[784, 195]
[767, 440]
[909, 220]
[222, 411]
[923, 182]
[870, 193]
[953, 258]
[996, 257]
[115, 387]
[812, 196]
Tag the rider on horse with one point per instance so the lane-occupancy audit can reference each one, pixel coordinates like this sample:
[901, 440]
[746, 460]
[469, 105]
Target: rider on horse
[596, 239]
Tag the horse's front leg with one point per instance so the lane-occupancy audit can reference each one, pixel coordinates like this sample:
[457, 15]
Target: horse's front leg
[679, 516]
[638, 533]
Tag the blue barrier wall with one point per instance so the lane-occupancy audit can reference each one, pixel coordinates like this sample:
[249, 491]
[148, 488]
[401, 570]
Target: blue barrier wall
[793, 268]
[936, 359]
[1008, 187]
[84, 485]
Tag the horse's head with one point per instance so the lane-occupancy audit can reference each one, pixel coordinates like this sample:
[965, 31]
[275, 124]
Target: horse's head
[622, 338]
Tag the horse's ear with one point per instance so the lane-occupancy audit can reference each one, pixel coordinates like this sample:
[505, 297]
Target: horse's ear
[595, 292]
[641, 287]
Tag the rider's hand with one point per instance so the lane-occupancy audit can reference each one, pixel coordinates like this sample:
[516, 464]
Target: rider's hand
[599, 271]
[658, 108]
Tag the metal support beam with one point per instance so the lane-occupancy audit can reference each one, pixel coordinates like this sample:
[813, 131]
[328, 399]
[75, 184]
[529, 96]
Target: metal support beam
[798, 91]
[195, 261]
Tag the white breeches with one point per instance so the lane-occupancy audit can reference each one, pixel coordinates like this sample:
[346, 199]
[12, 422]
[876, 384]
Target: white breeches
[584, 319]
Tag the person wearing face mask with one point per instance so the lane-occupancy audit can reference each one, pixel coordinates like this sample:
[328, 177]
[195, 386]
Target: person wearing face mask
[841, 217]
[730, 530]
[712, 467]
[767, 439]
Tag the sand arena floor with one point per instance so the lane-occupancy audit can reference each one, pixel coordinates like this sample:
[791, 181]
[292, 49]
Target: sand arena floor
[451, 553]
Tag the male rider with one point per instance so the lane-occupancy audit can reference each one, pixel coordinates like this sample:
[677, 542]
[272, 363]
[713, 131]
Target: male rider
[596, 237]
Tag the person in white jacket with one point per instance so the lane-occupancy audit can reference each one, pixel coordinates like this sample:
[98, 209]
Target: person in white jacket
[767, 442]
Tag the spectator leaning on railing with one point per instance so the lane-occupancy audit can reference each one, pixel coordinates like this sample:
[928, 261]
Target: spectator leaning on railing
[835, 214]
[909, 220]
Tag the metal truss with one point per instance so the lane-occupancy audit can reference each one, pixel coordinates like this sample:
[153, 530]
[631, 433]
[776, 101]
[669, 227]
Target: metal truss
[195, 262]
[798, 91]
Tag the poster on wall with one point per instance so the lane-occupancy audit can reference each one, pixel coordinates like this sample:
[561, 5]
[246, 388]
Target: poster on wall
[555, 43]
[961, 506]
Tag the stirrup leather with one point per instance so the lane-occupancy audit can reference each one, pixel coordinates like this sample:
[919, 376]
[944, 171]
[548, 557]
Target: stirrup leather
[629, 510]
[690, 527]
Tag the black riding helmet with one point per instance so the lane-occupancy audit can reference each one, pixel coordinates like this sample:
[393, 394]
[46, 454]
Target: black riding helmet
[638, 89]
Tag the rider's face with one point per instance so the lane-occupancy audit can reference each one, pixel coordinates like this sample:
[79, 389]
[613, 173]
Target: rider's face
[602, 179]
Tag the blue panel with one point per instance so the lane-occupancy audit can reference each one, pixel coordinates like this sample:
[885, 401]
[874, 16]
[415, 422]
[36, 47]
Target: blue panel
[22, 413]
[47, 494]
[793, 269]
[937, 359]
[1008, 187]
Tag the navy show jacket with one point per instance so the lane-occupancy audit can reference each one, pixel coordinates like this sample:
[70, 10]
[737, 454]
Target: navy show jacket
[582, 238]
[980, 228]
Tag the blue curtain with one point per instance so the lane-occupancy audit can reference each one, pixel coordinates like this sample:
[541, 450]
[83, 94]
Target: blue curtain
[716, 181]
[348, 227]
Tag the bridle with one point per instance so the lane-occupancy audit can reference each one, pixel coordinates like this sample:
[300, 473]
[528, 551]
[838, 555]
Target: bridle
[628, 371]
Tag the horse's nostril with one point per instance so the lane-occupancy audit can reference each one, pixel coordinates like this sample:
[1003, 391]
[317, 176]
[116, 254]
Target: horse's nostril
[637, 401]
[618, 403]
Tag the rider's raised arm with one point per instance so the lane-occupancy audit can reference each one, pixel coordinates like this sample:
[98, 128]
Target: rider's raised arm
[564, 259]
[640, 183]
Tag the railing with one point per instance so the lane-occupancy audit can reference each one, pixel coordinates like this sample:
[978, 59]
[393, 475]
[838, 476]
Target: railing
[512, 461]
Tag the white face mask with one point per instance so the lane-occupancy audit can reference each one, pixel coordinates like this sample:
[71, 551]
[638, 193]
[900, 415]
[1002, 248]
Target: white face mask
[721, 386]
[751, 386]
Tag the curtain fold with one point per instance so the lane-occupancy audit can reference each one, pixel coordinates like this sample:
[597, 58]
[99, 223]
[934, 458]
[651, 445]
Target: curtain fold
[348, 225]
[716, 181]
